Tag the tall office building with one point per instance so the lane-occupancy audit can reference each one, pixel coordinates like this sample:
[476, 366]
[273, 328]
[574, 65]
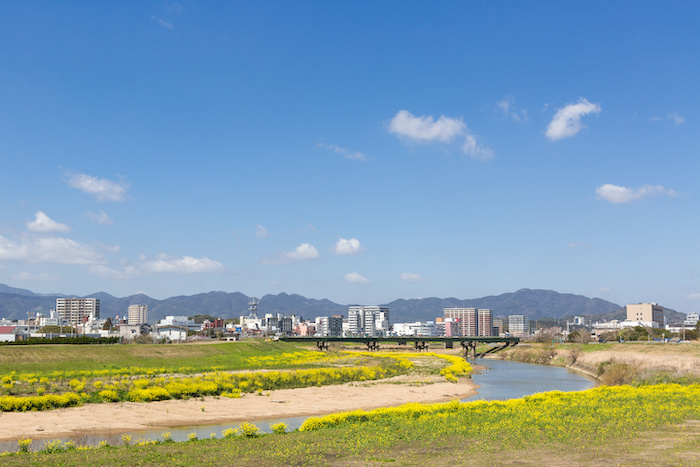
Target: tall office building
[368, 320]
[76, 310]
[138, 314]
[468, 324]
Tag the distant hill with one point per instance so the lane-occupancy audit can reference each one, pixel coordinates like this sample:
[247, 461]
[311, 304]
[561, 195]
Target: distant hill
[535, 304]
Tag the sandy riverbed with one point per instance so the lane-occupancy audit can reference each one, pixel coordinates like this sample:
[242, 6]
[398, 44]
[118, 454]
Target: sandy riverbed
[131, 416]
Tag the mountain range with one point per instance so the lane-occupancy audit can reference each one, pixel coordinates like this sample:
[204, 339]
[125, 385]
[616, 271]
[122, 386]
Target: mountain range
[535, 304]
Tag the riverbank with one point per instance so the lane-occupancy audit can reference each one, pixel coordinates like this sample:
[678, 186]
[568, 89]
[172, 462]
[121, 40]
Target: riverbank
[120, 417]
[615, 363]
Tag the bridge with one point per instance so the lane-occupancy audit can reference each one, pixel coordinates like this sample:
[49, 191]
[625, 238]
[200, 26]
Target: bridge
[469, 344]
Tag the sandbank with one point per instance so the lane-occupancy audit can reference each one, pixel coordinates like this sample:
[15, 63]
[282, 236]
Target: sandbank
[120, 417]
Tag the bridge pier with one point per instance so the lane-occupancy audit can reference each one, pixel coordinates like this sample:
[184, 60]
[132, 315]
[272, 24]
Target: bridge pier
[469, 347]
[421, 345]
[322, 345]
[449, 344]
[372, 346]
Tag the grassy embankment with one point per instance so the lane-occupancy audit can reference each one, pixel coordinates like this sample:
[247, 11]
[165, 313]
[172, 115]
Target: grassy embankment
[615, 363]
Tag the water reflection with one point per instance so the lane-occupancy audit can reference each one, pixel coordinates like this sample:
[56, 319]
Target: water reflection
[503, 379]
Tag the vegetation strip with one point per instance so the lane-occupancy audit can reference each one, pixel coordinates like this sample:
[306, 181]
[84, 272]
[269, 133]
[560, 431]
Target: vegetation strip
[584, 420]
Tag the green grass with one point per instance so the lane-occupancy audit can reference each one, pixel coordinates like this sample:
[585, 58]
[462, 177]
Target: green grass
[42, 359]
[603, 426]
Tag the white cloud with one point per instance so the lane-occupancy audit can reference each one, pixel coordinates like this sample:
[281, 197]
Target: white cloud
[677, 118]
[105, 190]
[49, 250]
[261, 232]
[162, 22]
[619, 194]
[472, 149]
[347, 246]
[693, 296]
[43, 223]
[427, 130]
[182, 265]
[567, 121]
[27, 276]
[508, 108]
[303, 251]
[99, 217]
[355, 278]
[348, 154]
[410, 277]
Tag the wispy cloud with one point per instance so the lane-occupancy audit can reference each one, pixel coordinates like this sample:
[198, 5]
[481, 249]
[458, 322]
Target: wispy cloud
[567, 121]
[347, 153]
[302, 252]
[261, 232]
[413, 278]
[355, 278]
[180, 265]
[506, 107]
[28, 276]
[693, 296]
[43, 223]
[674, 116]
[57, 250]
[347, 246]
[103, 189]
[99, 217]
[620, 194]
[426, 129]
[162, 22]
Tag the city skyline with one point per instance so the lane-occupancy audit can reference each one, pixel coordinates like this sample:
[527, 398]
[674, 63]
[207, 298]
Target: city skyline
[357, 152]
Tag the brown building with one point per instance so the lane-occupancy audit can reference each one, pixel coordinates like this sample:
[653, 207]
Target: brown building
[646, 312]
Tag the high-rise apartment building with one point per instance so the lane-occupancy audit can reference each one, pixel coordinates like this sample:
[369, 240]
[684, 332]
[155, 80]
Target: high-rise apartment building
[138, 314]
[518, 326]
[472, 322]
[76, 310]
[646, 312]
[368, 320]
[467, 318]
[485, 321]
[329, 325]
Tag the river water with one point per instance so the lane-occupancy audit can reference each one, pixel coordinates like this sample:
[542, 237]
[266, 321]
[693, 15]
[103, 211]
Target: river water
[500, 380]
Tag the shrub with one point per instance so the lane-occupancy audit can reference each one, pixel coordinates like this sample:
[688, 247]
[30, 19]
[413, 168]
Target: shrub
[248, 430]
[279, 428]
[23, 444]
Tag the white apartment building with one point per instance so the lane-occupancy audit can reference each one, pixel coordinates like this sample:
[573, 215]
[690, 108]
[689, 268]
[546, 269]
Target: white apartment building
[138, 314]
[420, 329]
[518, 326]
[76, 310]
[368, 320]
[329, 326]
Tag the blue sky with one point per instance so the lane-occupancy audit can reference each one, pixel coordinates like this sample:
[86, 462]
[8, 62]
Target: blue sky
[355, 151]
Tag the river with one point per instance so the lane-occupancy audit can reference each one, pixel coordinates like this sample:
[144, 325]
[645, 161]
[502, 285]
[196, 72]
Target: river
[500, 380]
